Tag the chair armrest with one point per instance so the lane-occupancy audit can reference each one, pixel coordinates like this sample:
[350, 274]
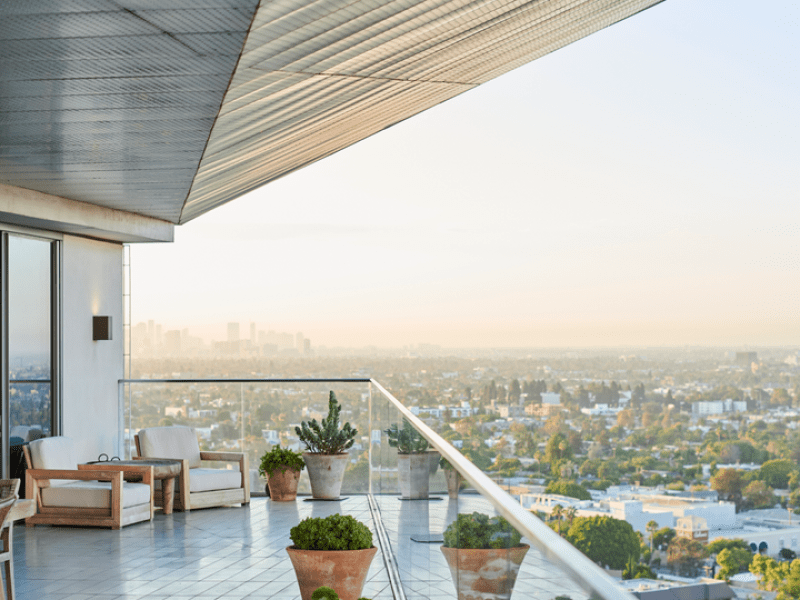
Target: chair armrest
[146, 471]
[82, 475]
[222, 456]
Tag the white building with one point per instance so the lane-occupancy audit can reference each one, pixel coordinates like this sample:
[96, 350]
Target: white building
[718, 407]
[551, 398]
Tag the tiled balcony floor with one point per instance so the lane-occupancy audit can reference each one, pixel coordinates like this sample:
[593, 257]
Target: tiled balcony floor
[240, 553]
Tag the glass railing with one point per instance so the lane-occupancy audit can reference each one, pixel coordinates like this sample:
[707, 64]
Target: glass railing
[408, 493]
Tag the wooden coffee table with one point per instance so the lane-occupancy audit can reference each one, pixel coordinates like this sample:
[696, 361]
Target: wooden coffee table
[163, 469]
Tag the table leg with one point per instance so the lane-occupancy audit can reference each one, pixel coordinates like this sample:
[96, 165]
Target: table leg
[8, 539]
[168, 495]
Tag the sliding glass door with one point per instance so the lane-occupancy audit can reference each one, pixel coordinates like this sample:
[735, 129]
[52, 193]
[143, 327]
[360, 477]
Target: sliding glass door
[29, 343]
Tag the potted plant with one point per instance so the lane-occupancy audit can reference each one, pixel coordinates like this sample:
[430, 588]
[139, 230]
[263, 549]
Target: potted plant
[281, 468]
[326, 456]
[413, 462]
[484, 555]
[333, 552]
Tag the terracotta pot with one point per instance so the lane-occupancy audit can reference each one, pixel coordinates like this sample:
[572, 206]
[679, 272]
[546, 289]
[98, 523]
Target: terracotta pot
[454, 479]
[283, 486]
[325, 473]
[342, 570]
[413, 472]
[484, 574]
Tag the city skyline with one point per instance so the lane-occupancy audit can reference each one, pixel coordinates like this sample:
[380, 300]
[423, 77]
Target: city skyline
[636, 188]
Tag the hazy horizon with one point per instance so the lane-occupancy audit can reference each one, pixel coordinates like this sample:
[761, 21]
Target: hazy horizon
[637, 188]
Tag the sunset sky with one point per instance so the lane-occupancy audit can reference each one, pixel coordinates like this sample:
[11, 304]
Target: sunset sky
[639, 187]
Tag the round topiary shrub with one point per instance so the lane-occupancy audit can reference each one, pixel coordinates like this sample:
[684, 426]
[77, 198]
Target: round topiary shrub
[481, 531]
[324, 593]
[336, 532]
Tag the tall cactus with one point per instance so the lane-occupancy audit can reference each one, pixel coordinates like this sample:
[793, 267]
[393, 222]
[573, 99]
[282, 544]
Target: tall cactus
[327, 438]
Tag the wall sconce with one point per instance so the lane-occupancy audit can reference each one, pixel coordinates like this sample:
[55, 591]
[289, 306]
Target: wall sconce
[101, 328]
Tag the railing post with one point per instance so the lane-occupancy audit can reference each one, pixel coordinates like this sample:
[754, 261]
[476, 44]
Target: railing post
[369, 437]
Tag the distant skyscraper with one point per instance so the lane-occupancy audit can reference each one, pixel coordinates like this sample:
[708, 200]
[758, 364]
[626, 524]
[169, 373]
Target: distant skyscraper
[253, 334]
[298, 342]
[233, 338]
[172, 342]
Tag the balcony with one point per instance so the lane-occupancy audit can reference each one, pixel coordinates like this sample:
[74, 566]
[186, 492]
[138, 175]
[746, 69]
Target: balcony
[240, 552]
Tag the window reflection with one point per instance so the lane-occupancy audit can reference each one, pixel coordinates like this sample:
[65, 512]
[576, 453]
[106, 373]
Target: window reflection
[29, 336]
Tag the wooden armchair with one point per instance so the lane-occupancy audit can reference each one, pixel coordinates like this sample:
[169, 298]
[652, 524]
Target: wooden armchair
[67, 493]
[8, 497]
[198, 487]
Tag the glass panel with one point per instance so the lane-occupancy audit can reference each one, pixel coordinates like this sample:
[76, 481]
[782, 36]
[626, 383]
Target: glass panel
[253, 417]
[29, 336]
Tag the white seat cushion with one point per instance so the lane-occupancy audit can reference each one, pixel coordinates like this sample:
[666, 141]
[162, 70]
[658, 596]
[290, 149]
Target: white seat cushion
[94, 494]
[206, 480]
[170, 442]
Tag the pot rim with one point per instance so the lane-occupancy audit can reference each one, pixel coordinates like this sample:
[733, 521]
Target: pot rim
[323, 454]
[296, 549]
[509, 548]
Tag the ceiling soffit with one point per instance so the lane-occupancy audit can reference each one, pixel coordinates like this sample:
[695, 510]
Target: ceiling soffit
[112, 103]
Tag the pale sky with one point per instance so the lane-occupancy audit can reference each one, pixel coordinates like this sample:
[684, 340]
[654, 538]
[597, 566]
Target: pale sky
[639, 187]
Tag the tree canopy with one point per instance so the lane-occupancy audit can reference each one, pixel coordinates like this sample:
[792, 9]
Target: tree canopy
[604, 540]
[775, 473]
[568, 488]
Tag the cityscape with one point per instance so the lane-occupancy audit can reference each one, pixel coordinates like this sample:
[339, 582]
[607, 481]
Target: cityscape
[696, 449]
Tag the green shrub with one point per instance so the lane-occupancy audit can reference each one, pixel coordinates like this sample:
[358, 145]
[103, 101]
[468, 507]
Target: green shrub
[407, 440]
[326, 437]
[280, 458]
[481, 531]
[336, 532]
[324, 593]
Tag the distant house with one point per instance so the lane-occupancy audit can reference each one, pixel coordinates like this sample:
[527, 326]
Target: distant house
[692, 527]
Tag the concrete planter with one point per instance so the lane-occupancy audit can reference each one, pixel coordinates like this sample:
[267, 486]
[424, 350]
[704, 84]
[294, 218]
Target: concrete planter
[413, 471]
[433, 456]
[283, 486]
[454, 480]
[488, 574]
[343, 570]
[325, 473]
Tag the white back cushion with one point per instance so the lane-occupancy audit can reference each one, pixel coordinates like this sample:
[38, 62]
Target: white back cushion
[53, 453]
[170, 442]
[57, 453]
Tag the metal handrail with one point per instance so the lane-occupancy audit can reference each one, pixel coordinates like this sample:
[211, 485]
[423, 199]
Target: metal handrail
[557, 550]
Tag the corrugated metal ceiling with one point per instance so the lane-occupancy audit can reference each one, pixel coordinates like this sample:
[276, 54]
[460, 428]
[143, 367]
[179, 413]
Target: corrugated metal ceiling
[170, 109]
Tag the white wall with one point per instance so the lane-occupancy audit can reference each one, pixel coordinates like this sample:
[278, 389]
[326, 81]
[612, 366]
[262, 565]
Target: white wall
[721, 515]
[91, 285]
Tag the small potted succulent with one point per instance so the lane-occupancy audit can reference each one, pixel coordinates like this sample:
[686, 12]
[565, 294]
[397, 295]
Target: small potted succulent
[484, 555]
[281, 468]
[413, 461]
[333, 552]
[326, 456]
